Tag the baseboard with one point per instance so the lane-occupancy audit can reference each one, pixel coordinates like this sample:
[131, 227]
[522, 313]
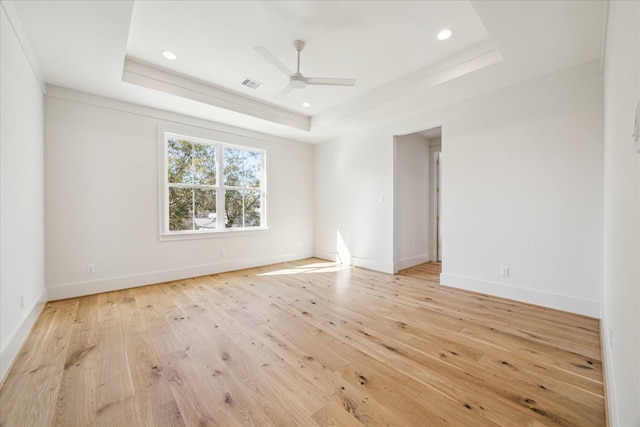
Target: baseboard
[383, 267]
[567, 303]
[607, 366]
[329, 256]
[411, 262]
[78, 289]
[12, 348]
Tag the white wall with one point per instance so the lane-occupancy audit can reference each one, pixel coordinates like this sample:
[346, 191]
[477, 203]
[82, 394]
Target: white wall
[522, 187]
[102, 200]
[22, 195]
[411, 197]
[621, 320]
[354, 201]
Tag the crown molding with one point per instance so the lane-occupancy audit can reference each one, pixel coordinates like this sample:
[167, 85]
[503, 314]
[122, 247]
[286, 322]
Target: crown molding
[149, 76]
[16, 25]
[465, 62]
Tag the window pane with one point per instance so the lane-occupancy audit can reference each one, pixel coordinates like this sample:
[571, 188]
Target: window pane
[204, 164]
[243, 208]
[190, 163]
[178, 161]
[252, 170]
[242, 168]
[205, 209]
[183, 201]
[252, 208]
[180, 209]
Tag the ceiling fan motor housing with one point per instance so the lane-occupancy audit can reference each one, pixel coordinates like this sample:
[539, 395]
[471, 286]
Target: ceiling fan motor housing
[299, 45]
[297, 81]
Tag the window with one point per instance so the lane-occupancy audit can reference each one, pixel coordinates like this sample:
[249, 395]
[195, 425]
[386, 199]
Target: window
[211, 186]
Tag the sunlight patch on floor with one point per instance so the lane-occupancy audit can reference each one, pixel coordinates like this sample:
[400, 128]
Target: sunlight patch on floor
[317, 267]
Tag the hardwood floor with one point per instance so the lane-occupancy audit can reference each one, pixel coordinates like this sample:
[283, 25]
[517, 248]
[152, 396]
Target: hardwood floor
[301, 344]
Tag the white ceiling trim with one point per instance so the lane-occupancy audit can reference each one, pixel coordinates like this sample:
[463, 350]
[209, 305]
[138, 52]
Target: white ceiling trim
[162, 80]
[174, 119]
[605, 27]
[465, 62]
[18, 30]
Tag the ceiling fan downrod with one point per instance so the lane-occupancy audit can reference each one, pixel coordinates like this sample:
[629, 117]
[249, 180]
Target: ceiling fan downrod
[297, 80]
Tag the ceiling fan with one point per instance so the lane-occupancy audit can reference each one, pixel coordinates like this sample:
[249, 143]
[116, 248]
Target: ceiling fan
[297, 80]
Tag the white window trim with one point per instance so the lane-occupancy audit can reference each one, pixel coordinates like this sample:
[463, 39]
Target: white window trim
[221, 139]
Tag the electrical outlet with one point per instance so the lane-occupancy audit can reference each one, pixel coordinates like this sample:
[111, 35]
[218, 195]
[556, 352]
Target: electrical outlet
[222, 254]
[91, 268]
[22, 301]
[504, 271]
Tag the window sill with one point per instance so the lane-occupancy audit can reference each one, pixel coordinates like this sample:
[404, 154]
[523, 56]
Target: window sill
[231, 232]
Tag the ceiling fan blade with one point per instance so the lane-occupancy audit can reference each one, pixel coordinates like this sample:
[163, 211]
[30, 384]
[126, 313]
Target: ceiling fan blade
[275, 61]
[284, 92]
[330, 81]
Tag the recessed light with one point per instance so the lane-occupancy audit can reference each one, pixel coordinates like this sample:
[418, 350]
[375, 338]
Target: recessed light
[445, 33]
[169, 55]
[306, 104]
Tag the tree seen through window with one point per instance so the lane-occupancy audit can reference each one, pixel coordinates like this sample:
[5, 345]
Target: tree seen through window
[198, 197]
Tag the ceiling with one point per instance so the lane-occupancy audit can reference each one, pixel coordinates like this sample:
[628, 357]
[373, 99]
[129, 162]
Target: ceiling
[113, 49]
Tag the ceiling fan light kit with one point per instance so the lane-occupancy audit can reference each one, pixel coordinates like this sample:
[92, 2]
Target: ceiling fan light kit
[297, 80]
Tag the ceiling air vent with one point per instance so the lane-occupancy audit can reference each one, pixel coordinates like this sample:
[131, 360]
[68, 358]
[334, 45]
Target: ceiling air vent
[251, 83]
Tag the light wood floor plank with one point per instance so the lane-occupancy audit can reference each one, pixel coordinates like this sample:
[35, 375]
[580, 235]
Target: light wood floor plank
[333, 414]
[38, 368]
[305, 343]
[76, 396]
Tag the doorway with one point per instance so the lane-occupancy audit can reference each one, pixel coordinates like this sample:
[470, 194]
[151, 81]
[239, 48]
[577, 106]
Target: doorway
[417, 237]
